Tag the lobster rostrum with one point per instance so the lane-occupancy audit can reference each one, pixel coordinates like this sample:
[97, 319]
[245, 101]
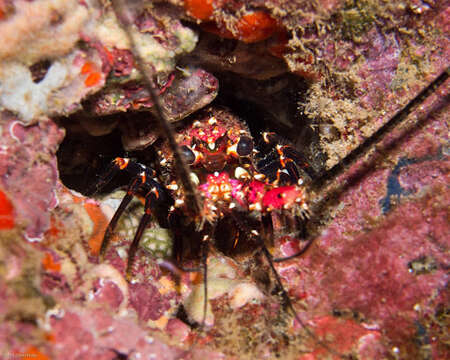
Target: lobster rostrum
[220, 151]
[238, 186]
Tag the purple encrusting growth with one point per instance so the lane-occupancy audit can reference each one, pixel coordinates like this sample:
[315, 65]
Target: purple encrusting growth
[362, 262]
[29, 155]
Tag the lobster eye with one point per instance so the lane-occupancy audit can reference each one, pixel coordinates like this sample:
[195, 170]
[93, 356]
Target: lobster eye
[244, 146]
[188, 154]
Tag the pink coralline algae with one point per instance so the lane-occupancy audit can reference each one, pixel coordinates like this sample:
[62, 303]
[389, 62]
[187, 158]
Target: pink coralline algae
[365, 263]
[374, 282]
[141, 300]
[87, 334]
[176, 94]
[20, 166]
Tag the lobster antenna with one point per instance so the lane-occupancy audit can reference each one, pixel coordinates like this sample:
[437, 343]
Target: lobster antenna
[289, 304]
[193, 199]
[328, 176]
[286, 298]
[204, 265]
[324, 183]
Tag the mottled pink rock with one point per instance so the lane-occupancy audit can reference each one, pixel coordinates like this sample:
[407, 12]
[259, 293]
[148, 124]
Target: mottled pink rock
[123, 62]
[108, 293]
[289, 246]
[379, 264]
[72, 340]
[181, 93]
[78, 334]
[382, 257]
[147, 301]
[178, 329]
[345, 334]
[28, 171]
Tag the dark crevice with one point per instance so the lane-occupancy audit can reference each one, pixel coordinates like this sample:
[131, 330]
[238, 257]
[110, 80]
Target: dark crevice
[265, 105]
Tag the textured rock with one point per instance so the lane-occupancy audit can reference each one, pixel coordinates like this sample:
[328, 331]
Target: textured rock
[373, 284]
[29, 154]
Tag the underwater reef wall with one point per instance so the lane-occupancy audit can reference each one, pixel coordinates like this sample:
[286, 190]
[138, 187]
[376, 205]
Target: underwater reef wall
[325, 75]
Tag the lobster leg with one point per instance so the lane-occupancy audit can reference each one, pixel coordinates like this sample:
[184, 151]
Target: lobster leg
[154, 198]
[283, 163]
[131, 191]
[137, 237]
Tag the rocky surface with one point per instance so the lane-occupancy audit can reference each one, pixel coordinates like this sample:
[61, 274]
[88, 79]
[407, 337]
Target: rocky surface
[374, 283]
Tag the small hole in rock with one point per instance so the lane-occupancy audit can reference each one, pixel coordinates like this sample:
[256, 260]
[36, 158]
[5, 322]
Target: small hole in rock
[39, 70]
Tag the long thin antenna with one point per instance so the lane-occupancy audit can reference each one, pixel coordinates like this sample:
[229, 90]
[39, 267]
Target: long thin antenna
[323, 183]
[375, 138]
[289, 304]
[261, 242]
[192, 197]
[205, 250]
